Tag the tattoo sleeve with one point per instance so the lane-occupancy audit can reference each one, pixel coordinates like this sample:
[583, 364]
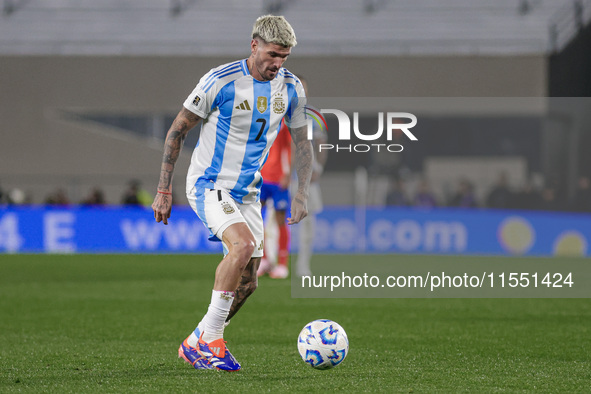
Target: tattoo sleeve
[184, 121]
[303, 159]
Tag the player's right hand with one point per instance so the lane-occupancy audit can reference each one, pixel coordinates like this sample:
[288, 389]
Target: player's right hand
[162, 207]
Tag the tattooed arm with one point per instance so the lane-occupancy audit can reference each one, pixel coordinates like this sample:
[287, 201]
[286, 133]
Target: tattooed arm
[304, 157]
[184, 121]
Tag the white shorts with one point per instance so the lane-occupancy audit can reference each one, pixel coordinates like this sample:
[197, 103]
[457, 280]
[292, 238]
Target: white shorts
[218, 211]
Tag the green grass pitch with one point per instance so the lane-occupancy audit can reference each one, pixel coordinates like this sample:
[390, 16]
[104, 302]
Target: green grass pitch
[113, 323]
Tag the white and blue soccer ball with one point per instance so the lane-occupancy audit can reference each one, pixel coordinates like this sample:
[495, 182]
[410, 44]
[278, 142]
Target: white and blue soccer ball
[323, 344]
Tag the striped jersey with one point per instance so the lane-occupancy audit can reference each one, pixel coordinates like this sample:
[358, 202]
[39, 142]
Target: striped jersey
[241, 119]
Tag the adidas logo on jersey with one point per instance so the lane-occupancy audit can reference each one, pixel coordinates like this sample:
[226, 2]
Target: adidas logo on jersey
[243, 105]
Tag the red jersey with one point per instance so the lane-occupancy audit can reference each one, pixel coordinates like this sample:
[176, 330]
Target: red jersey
[279, 161]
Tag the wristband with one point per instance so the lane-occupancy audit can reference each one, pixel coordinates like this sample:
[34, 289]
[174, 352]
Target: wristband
[163, 192]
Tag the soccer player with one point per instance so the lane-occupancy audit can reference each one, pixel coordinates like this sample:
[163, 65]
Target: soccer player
[276, 178]
[242, 105]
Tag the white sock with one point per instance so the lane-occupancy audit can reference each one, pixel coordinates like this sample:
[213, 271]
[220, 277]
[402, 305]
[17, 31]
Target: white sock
[194, 337]
[217, 313]
[192, 340]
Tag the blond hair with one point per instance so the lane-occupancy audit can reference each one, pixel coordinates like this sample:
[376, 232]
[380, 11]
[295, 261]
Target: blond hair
[274, 29]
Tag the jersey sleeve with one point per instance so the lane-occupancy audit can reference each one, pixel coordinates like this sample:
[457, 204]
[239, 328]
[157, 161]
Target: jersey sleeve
[201, 99]
[296, 115]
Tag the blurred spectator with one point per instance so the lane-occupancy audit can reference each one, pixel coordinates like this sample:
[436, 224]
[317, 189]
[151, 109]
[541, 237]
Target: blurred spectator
[135, 195]
[95, 198]
[396, 195]
[59, 197]
[464, 197]
[130, 197]
[15, 196]
[550, 200]
[424, 197]
[500, 196]
[18, 197]
[527, 198]
[582, 199]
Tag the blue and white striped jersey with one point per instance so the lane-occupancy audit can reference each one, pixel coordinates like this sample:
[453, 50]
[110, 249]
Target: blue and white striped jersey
[242, 117]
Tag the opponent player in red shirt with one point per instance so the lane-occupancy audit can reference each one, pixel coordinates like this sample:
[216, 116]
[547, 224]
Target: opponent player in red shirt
[276, 178]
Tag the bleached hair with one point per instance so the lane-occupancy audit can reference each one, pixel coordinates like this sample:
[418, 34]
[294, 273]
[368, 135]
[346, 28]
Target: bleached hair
[274, 29]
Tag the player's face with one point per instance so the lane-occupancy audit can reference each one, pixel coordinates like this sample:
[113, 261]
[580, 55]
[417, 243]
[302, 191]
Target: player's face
[267, 59]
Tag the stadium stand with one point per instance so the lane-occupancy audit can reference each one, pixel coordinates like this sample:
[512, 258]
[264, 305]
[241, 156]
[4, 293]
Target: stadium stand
[154, 27]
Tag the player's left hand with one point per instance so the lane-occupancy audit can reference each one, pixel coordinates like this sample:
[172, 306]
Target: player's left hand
[299, 208]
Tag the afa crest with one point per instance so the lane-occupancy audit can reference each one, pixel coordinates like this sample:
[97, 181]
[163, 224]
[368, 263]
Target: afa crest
[262, 104]
[278, 104]
[228, 209]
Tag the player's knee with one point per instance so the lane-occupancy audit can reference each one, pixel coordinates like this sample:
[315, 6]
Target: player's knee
[243, 250]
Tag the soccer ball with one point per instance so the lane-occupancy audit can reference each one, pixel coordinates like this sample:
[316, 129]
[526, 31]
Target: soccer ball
[323, 344]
